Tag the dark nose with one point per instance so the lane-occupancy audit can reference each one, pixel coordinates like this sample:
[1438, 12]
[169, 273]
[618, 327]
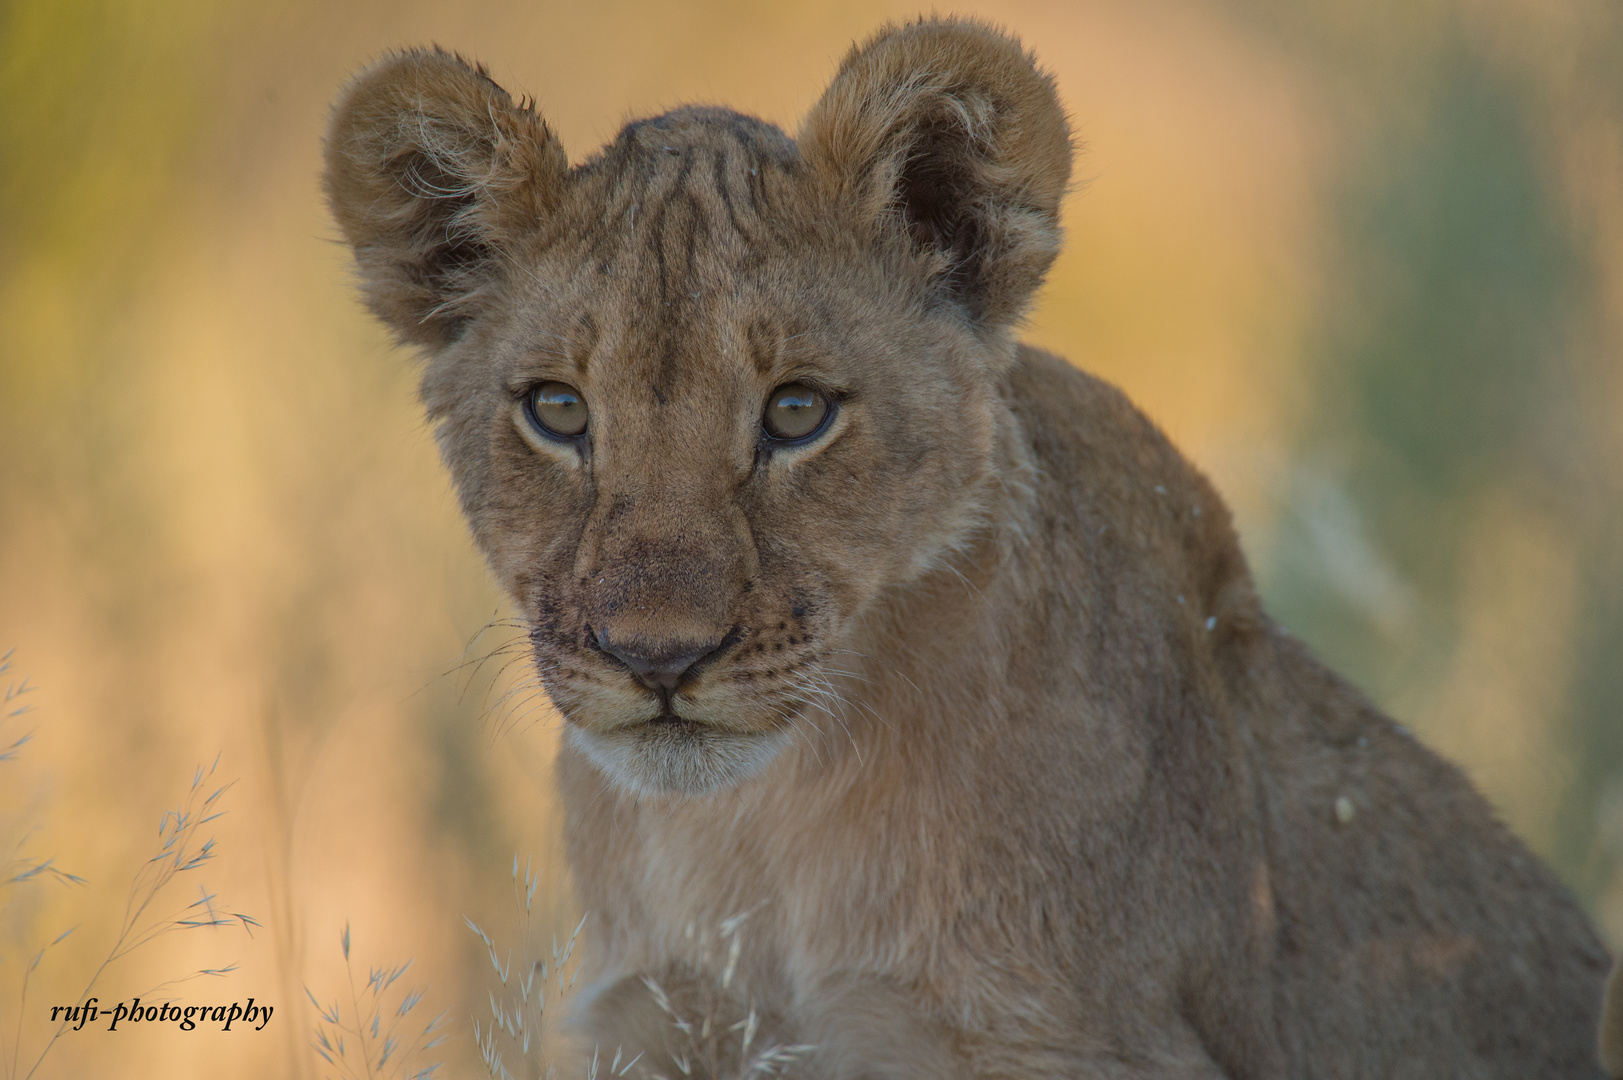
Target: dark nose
[658, 667]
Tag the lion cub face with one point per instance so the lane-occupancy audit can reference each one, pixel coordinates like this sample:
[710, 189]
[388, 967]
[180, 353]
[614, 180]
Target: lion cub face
[690, 485]
[710, 393]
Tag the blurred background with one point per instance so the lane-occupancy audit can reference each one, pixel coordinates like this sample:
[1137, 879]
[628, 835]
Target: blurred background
[1362, 259]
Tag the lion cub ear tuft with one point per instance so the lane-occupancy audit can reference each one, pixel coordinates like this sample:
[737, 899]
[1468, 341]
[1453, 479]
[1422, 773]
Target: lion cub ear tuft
[948, 137]
[433, 172]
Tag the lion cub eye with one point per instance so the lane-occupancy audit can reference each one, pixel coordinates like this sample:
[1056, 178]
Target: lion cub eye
[558, 410]
[795, 411]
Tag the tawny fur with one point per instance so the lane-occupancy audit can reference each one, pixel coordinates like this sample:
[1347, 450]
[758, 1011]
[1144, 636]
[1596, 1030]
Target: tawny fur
[997, 749]
[1611, 1025]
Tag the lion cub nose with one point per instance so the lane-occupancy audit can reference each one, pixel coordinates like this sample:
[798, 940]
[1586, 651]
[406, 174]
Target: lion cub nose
[658, 667]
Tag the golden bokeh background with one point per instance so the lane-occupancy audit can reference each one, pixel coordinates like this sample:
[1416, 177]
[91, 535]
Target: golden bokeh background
[1362, 259]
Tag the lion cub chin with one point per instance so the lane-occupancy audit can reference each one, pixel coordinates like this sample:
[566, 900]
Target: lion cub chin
[675, 757]
[922, 719]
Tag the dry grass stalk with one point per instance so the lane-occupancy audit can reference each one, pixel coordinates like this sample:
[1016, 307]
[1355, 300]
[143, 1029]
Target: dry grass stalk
[705, 1036]
[180, 851]
[368, 1046]
[710, 1039]
[516, 1028]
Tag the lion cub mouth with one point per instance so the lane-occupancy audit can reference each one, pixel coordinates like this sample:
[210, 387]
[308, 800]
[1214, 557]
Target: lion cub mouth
[673, 725]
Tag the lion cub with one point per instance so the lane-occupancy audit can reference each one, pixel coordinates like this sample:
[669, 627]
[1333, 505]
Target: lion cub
[919, 646]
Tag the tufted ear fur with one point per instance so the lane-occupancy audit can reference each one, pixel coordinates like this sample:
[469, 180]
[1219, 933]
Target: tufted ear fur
[432, 171]
[947, 135]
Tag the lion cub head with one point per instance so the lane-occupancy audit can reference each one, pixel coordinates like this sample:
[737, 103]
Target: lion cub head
[709, 394]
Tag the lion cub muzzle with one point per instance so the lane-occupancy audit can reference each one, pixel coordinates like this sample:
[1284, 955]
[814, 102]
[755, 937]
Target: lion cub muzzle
[661, 580]
[664, 603]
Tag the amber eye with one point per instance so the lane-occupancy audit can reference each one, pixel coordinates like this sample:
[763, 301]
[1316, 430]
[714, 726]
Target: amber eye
[795, 411]
[558, 409]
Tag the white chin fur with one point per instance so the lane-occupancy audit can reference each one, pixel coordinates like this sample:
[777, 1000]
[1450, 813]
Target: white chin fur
[676, 759]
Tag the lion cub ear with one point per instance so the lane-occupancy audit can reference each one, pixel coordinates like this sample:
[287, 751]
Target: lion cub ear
[433, 173]
[948, 137]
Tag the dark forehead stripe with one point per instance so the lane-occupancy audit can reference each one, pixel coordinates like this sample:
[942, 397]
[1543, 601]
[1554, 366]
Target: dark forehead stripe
[682, 198]
[697, 173]
[642, 144]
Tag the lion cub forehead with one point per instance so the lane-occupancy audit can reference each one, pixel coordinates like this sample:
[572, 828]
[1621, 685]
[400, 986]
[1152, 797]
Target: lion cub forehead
[670, 237]
[708, 167]
[707, 127]
[678, 260]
